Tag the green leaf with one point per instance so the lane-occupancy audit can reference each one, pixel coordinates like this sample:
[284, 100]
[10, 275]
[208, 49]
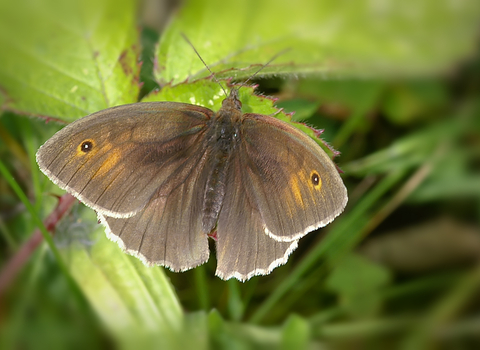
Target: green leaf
[413, 100]
[66, 59]
[296, 333]
[352, 98]
[451, 178]
[357, 281]
[302, 109]
[326, 37]
[411, 150]
[131, 299]
[209, 94]
[234, 335]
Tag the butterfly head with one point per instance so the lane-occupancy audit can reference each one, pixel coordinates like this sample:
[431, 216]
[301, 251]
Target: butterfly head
[232, 101]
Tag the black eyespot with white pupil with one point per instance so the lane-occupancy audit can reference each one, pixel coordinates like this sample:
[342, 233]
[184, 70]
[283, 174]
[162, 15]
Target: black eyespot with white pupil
[315, 179]
[86, 146]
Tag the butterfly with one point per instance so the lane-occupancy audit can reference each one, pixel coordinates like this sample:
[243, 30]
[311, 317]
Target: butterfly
[163, 177]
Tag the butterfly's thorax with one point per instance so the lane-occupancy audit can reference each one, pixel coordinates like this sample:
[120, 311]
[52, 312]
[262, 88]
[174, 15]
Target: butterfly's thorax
[224, 136]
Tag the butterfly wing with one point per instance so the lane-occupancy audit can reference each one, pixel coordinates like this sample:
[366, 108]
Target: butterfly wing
[142, 173]
[116, 159]
[243, 248]
[168, 231]
[295, 185]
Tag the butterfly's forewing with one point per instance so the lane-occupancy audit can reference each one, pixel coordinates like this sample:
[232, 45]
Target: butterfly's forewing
[296, 186]
[243, 248]
[115, 160]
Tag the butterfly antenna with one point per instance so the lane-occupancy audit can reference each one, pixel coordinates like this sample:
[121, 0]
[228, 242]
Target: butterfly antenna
[201, 59]
[266, 64]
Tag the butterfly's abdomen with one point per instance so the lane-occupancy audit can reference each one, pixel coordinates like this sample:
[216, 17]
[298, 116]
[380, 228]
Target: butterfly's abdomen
[225, 136]
[214, 194]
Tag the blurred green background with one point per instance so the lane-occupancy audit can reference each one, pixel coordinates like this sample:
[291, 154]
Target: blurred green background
[395, 85]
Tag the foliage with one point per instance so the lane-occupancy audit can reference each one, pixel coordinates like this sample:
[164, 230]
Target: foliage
[393, 84]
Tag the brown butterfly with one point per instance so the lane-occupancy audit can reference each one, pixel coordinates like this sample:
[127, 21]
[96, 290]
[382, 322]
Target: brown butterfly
[164, 176]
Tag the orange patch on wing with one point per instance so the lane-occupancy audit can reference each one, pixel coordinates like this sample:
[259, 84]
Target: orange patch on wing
[301, 179]
[295, 182]
[113, 158]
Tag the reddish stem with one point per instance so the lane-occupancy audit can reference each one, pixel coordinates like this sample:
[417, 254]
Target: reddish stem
[14, 265]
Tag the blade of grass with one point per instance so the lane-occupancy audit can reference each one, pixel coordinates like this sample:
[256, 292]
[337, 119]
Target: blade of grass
[31, 143]
[8, 236]
[38, 222]
[20, 309]
[235, 303]
[202, 287]
[363, 329]
[443, 311]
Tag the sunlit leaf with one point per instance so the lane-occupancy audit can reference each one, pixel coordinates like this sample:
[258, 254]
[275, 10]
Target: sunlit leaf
[341, 38]
[67, 59]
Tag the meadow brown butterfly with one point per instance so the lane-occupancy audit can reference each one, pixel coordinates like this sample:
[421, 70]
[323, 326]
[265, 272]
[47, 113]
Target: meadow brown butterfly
[164, 176]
